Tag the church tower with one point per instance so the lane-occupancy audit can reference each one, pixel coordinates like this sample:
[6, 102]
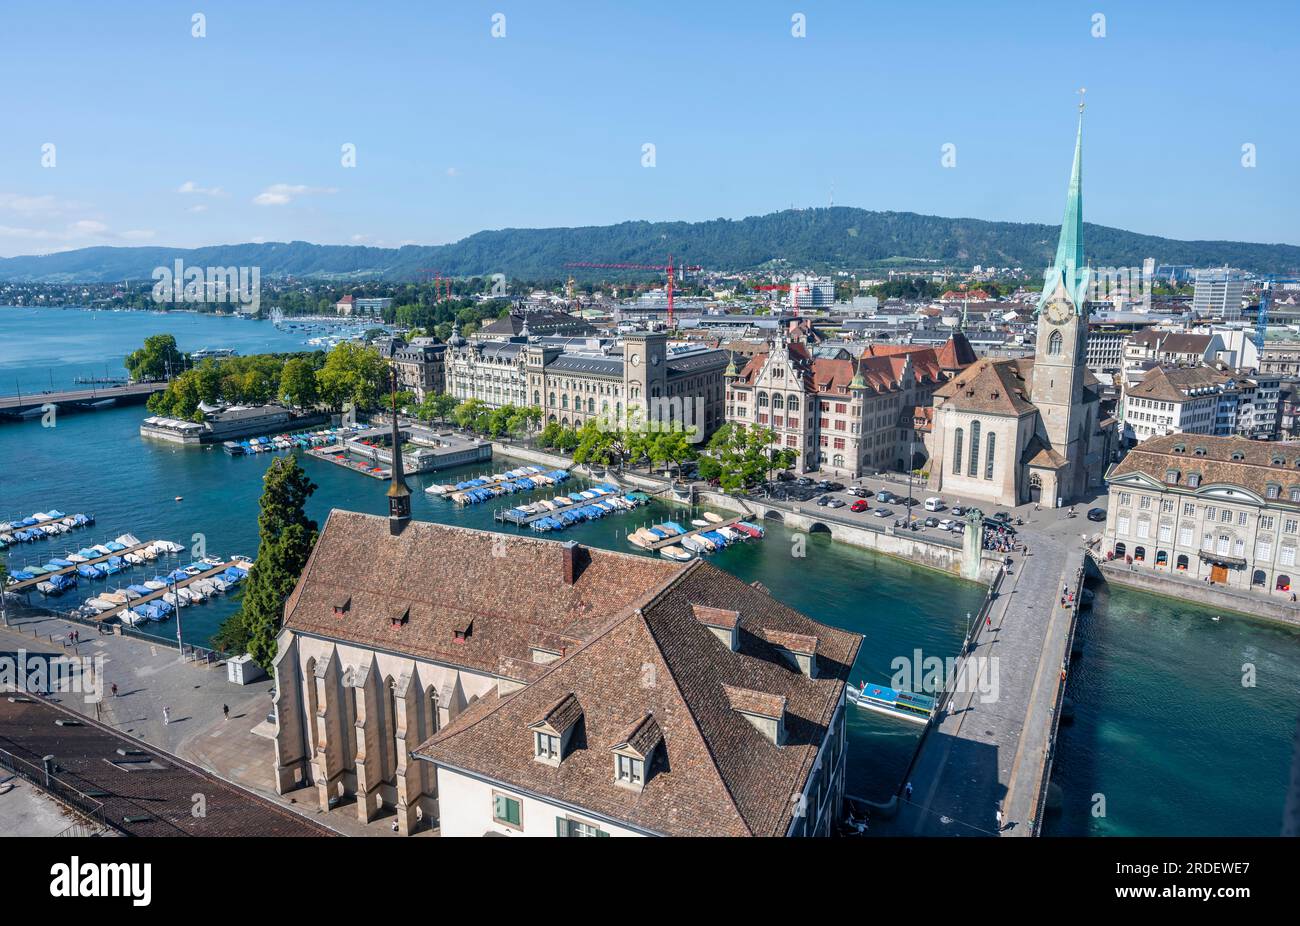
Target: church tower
[1061, 349]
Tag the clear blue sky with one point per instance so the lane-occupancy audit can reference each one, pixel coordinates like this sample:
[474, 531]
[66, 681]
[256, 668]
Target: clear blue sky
[457, 131]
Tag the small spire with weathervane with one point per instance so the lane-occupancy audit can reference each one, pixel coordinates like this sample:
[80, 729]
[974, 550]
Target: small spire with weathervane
[399, 496]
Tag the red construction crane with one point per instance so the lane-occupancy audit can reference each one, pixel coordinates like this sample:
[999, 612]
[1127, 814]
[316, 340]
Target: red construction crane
[428, 273]
[662, 267]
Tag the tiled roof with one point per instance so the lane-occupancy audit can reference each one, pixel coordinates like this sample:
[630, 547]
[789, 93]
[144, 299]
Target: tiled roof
[453, 578]
[1212, 458]
[716, 773]
[987, 386]
[1175, 384]
[748, 701]
[563, 714]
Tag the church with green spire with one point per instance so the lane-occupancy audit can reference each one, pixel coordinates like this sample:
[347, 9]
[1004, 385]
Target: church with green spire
[1032, 429]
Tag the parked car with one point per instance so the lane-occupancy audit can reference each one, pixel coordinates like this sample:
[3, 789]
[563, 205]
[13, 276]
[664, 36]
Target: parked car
[909, 502]
[934, 503]
[784, 476]
[862, 491]
[835, 503]
[957, 511]
[824, 500]
[860, 505]
[1002, 516]
[947, 524]
[1096, 514]
[884, 495]
[883, 513]
[834, 487]
[931, 522]
[803, 481]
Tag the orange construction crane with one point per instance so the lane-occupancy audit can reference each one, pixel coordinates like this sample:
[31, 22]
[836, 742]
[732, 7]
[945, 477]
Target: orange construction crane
[664, 267]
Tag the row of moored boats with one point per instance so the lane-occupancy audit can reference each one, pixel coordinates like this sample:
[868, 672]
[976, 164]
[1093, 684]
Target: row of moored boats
[41, 525]
[486, 488]
[278, 442]
[706, 534]
[555, 514]
[174, 597]
[80, 562]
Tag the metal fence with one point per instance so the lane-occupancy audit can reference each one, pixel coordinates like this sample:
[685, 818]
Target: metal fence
[95, 820]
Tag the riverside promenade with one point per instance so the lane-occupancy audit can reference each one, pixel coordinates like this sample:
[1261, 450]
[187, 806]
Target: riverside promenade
[990, 749]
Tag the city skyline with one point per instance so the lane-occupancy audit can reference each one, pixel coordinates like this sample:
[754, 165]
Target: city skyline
[238, 143]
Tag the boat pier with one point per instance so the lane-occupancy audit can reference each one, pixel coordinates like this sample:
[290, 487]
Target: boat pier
[33, 404]
[28, 584]
[678, 538]
[171, 588]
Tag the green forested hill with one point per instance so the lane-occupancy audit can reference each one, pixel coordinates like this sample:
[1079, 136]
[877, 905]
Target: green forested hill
[834, 238]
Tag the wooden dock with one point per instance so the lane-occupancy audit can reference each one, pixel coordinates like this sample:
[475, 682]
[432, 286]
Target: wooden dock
[669, 541]
[171, 587]
[26, 584]
[538, 515]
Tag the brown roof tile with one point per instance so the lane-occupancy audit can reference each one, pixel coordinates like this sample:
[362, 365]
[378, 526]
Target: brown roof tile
[716, 774]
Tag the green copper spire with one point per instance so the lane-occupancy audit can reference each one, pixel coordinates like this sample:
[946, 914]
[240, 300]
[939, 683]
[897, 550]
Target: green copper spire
[1069, 268]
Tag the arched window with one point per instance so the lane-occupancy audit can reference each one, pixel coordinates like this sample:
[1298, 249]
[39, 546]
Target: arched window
[1139, 554]
[973, 468]
[988, 456]
[551, 402]
[762, 400]
[1181, 563]
[956, 454]
[564, 401]
[1054, 344]
[778, 401]
[792, 403]
[591, 405]
[1259, 578]
[537, 397]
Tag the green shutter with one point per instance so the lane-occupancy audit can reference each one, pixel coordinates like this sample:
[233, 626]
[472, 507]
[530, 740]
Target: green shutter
[561, 827]
[601, 833]
[512, 811]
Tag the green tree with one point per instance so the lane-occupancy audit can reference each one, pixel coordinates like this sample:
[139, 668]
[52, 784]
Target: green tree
[353, 373]
[158, 359]
[298, 383]
[286, 536]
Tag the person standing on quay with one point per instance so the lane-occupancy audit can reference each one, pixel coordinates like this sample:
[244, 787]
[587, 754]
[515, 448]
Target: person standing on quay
[167, 716]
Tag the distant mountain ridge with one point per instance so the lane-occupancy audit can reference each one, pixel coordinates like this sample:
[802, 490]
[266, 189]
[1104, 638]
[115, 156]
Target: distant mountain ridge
[839, 237]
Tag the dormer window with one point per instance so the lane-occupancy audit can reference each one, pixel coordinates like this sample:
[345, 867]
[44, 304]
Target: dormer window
[1273, 491]
[634, 757]
[1193, 480]
[399, 617]
[547, 747]
[629, 771]
[341, 605]
[462, 632]
[1180, 448]
[1199, 451]
[553, 733]
[1171, 477]
[1238, 456]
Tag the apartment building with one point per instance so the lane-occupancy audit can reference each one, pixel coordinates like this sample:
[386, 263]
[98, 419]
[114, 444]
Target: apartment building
[1220, 509]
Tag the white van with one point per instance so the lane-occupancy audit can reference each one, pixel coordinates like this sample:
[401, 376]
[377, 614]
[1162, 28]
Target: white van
[934, 503]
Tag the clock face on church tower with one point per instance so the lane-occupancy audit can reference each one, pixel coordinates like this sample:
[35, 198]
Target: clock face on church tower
[1057, 312]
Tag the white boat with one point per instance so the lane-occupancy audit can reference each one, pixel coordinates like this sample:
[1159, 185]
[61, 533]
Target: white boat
[712, 518]
[675, 553]
[100, 605]
[75, 558]
[697, 544]
[699, 522]
[155, 585]
[127, 540]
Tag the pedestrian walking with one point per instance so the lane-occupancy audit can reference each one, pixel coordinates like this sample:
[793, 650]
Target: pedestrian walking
[997, 815]
[167, 716]
[225, 709]
[908, 790]
[114, 689]
[988, 622]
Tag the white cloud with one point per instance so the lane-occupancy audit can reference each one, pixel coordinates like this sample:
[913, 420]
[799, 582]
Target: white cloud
[189, 186]
[453, 172]
[280, 194]
[198, 207]
[37, 205]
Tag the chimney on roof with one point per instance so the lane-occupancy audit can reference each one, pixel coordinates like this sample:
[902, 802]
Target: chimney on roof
[575, 557]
